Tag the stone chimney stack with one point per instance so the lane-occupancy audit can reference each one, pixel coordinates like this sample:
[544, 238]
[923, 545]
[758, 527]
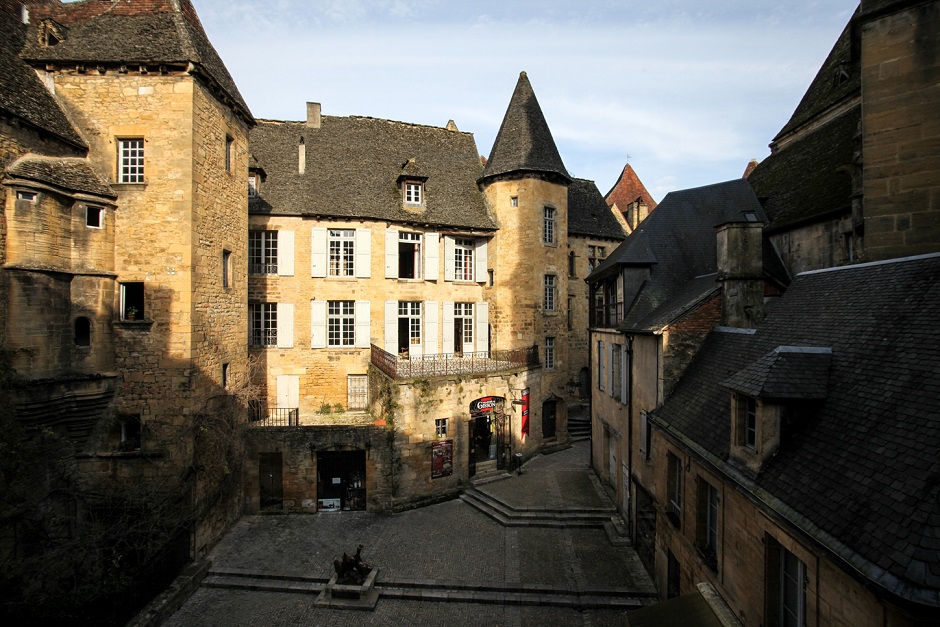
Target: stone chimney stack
[740, 272]
[313, 115]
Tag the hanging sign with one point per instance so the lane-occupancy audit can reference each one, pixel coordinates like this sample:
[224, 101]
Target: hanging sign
[442, 459]
[486, 404]
[525, 412]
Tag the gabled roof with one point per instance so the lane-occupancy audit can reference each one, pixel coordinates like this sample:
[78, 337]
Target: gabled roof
[524, 142]
[786, 372]
[677, 243]
[352, 170]
[133, 32]
[860, 471]
[628, 189]
[70, 174]
[22, 94]
[588, 214]
[839, 79]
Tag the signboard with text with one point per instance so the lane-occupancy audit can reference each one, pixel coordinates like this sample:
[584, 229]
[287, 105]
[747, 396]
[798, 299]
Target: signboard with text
[442, 459]
[525, 412]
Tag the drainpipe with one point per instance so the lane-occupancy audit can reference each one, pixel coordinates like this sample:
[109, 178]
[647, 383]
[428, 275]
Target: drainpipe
[629, 399]
[591, 392]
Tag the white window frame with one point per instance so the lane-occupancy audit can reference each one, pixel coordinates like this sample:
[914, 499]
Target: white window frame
[341, 323]
[414, 239]
[411, 309]
[92, 211]
[792, 611]
[549, 353]
[549, 224]
[440, 427]
[711, 519]
[341, 247]
[414, 193]
[262, 324]
[262, 252]
[252, 185]
[131, 160]
[464, 269]
[551, 292]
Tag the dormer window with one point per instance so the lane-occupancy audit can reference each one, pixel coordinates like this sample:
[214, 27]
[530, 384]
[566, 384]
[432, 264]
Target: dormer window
[414, 193]
[252, 185]
[26, 196]
[747, 421]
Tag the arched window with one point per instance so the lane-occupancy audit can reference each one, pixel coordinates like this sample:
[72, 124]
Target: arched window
[82, 331]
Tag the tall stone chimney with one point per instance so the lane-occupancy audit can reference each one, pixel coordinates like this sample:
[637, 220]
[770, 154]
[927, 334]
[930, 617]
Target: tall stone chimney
[313, 115]
[740, 272]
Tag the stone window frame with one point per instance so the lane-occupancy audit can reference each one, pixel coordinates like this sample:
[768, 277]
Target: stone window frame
[440, 427]
[226, 268]
[133, 297]
[674, 489]
[229, 149]
[549, 226]
[23, 195]
[252, 185]
[131, 164]
[549, 353]
[707, 530]
[550, 296]
[94, 217]
[746, 409]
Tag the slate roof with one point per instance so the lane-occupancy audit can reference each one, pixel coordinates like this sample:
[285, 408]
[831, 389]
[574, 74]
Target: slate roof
[72, 174]
[627, 189]
[839, 79]
[524, 142]
[803, 182]
[22, 94]
[135, 32]
[677, 243]
[353, 165]
[860, 472]
[786, 372]
[588, 214]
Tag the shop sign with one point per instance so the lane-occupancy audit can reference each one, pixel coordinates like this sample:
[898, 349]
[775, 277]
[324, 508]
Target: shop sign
[525, 412]
[486, 404]
[442, 459]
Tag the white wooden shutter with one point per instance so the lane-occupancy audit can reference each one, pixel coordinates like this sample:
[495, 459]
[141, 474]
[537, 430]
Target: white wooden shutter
[432, 256]
[431, 317]
[448, 319]
[285, 253]
[391, 254]
[285, 325]
[363, 312]
[480, 263]
[363, 253]
[318, 324]
[481, 318]
[318, 253]
[449, 262]
[391, 326]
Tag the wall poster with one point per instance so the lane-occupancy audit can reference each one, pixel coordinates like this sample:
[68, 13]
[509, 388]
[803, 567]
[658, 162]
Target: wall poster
[442, 459]
[525, 412]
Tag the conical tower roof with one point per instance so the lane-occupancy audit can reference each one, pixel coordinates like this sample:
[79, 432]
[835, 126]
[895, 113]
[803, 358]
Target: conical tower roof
[524, 142]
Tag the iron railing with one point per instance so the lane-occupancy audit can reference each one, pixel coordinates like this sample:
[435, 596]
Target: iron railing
[262, 416]
[454, 364]
[262, 338]
[607, 315]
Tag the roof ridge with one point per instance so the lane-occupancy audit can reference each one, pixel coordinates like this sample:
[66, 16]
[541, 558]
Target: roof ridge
[870, 264]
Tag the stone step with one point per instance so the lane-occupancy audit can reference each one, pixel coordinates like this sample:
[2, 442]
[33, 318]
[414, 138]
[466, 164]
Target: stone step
[446, 591]
[509, 516]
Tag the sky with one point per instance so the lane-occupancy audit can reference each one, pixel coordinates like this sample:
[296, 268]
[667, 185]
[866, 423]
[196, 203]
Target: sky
[686, 91]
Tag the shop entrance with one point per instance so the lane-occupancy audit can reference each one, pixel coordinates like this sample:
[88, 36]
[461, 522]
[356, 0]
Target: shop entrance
[341, 481]
[489, 434]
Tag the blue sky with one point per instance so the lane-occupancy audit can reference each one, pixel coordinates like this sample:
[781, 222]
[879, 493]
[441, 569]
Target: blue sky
[687, 91]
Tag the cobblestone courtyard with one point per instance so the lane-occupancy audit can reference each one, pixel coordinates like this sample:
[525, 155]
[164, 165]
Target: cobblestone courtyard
[471, 568]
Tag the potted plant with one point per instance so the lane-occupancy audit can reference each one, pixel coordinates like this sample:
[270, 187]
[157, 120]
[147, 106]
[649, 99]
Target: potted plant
[130, 313]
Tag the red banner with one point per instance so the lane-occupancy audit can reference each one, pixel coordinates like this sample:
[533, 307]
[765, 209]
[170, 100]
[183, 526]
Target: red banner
[525, 412]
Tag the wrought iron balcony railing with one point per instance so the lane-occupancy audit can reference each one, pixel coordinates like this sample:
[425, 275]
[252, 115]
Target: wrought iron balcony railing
[608, 315]
[403, 367]
[262, 416]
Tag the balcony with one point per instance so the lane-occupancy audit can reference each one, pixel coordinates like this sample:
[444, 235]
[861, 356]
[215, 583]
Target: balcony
[262, 416]
[608, 315]
[398, 367]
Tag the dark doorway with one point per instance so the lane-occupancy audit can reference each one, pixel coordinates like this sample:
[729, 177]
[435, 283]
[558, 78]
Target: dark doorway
[548, 419]
[584, 383]
[341, 480]
[269, 473]
[403, 336]
[672, 575]
[645, 528]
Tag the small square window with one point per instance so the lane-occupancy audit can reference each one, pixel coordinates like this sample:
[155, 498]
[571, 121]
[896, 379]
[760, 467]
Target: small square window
[252, 185]
[26, 196]
[130, 433]
[440, 427]
[514, 201]
[132, 301]
[413, 193]
[94, 217]
[131, 160]
[229, 142]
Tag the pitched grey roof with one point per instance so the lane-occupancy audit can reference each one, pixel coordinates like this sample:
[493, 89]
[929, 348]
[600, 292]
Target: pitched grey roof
[524, 142]
[786, 372]
[677, 243]
[860, 471]
[71, 174]
[135, 32]
[838, 79]
[588, 213]
[352, 169]
[686, 298]
[21, 92]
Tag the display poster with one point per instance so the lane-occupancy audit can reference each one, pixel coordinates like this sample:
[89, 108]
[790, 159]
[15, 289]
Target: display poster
[525, 412]
[442, 459]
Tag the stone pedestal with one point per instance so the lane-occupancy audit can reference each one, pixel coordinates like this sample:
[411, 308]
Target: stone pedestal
[349, 597]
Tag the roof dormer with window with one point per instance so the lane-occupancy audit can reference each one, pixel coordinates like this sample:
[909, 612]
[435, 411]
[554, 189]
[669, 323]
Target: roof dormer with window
[412, 181]
[768, 396]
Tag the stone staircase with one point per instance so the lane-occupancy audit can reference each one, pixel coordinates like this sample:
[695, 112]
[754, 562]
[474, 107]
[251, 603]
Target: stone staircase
[579, 424]
[548, 517]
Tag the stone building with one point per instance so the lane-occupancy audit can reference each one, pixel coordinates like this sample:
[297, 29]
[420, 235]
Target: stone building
[629, 199]
[409, 306]
[124, 264]
[717, 440]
